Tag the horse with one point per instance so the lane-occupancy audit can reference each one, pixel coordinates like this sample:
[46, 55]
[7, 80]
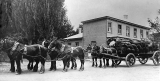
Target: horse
[17, 51]
[66, 53]
[36, 52]
[110, 51]
[54, 55]
[94, 53]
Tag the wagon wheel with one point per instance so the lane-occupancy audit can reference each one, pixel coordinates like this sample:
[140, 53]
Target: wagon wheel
[130, 59]
[156, 58]
[143, 60]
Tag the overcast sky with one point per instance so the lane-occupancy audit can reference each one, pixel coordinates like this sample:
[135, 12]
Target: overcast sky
[138, 11]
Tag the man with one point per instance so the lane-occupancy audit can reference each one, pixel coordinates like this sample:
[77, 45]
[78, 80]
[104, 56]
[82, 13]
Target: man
[112, 43]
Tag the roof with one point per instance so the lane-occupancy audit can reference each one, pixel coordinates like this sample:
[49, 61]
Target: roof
[80, 35]
[114, 19]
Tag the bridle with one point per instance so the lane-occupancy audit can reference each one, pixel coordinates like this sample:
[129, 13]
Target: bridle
[5, 44]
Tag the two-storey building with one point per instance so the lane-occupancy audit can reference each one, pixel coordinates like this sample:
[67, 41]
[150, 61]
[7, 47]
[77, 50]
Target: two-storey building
[97, 30]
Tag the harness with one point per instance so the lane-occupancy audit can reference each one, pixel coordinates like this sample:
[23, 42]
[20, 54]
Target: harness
[39, 54]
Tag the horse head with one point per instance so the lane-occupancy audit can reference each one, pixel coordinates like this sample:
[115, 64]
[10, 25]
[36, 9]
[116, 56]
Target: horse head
[55, 45]
[6, 44]
[1, 44]
[95, 49]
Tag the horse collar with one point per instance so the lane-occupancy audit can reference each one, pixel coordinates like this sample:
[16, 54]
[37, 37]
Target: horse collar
[62, 48]
[15, 46]
[25, 49]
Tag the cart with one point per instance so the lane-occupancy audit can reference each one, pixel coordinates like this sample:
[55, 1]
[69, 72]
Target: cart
[130, 58]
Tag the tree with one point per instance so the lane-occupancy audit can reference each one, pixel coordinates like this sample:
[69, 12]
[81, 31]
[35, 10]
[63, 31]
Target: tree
[155, 27]
[36, 19]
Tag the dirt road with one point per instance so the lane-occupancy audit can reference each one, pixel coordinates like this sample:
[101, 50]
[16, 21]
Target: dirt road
[138, 72]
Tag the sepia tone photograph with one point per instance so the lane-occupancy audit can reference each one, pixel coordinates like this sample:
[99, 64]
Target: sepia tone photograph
[80, 40]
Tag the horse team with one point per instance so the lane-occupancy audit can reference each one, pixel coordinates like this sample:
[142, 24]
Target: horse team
[59, 51]
[38, 53]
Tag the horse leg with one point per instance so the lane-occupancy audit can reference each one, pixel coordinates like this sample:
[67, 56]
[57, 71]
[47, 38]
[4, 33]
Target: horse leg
[28, 66]
[68, 64]
[75, 65]
[51, 67]
[107, 62]
[35, 69]
[92, 61]
[96, 61]
[113, 63]
[100, 65]
[104, 62]
[82, 65]
[65, 65]
[12, 65]
[54, 65]
[72, 60]
[42, 70]
[31, 65]
[18, 71]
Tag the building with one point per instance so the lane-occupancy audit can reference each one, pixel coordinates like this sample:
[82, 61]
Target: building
[97, 30]
[75, 40]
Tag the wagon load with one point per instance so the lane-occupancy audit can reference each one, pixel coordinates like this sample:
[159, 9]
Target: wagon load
[128, 50]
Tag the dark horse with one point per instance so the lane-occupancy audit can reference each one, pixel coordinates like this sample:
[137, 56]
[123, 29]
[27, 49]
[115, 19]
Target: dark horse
[94, 53]
[57, 50]
[54, 55]
[17, 51]
[98, 52]
[106, 53]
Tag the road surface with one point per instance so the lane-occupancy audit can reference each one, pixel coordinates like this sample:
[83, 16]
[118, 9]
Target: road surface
[138, 72]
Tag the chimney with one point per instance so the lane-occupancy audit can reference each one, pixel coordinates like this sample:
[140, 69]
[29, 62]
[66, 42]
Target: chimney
[80, 30]
[125, 16]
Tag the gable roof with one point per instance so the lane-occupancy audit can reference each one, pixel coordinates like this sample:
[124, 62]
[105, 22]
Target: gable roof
[80, 35]
[114, 19]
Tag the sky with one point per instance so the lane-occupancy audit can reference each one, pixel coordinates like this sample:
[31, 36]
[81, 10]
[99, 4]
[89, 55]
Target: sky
[138, 11]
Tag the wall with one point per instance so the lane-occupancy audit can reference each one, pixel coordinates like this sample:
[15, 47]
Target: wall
[73, 42]
[95, 31]
[115, 30]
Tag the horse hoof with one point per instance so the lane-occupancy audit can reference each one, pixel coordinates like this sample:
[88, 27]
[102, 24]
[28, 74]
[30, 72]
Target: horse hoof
[12, 70]
[17, 73]
[64, 71]
[54, 69]
[41, 72]
[50, 69]
[34, 70]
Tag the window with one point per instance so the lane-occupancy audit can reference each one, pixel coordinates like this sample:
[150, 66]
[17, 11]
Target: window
[120, 29]
[77, 43]
[128, 31]
[135, 33]
[93, 42]
[109, 29]
[69, 43]
[147, 34]
[141, 33]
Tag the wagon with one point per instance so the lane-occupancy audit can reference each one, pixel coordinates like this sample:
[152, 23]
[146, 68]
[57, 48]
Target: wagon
[130, 57]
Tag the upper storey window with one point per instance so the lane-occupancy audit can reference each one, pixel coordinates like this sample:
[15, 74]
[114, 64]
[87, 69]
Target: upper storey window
[119, 29]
